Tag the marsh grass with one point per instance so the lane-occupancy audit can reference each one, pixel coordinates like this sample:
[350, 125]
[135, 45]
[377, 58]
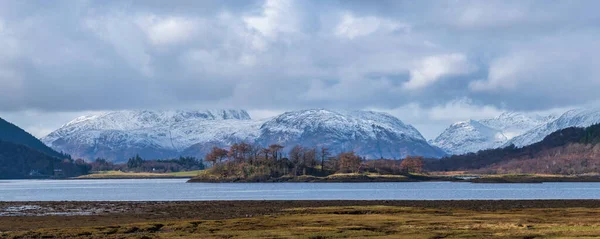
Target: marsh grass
[356, 222]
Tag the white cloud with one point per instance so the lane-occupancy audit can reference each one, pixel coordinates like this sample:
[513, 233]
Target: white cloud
[351, 27]
[430, 69]
[462, 109]
[167, 30]
[264, 114]
[276, 17]
[503, 73]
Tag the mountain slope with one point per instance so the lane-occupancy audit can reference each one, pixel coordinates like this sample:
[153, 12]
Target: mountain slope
[12, 133]
[159, 134]
[475, 135]
[151, 134]
[370, 134]
[469, 136]
[567, 151]
[572, 118]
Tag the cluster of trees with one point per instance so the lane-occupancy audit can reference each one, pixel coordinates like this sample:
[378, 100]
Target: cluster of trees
[247, 161]
[568, 151]
[138, 164]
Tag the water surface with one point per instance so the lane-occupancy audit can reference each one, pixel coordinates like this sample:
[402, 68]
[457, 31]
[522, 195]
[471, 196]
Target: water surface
[178, 190]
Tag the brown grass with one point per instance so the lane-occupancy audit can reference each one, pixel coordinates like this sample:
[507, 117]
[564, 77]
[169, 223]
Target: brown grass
[353, 222]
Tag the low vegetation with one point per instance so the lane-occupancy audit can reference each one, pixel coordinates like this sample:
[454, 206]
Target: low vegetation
[375, 221]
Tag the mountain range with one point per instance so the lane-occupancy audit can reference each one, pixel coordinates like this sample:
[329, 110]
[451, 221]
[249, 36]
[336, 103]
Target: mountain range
[582, 117]
[158, 134]
[118, 135]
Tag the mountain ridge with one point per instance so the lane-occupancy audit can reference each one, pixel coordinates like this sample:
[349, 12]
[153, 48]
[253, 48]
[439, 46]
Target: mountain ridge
[155, 133]
[14, 134]
[474, 135]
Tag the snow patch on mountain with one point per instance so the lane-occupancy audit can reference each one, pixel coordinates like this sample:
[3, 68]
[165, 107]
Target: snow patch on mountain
[469, 136]
[370, 134]
[120, 134]
[572, 118]
[474, 135]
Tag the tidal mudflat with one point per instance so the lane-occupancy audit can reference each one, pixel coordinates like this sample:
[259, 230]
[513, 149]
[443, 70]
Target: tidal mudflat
[302, 219]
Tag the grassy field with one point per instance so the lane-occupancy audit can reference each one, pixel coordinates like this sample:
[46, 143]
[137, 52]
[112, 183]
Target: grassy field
[366, 221]
[119, 174]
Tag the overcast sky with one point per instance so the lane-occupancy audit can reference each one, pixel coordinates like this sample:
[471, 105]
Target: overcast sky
[430, 63]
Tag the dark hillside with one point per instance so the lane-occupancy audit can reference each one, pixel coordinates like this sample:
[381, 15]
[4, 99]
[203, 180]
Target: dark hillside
[20, 161]
[12, 133]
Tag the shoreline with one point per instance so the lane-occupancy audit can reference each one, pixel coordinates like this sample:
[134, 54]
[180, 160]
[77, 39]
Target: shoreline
[347, 178]
[364, 178]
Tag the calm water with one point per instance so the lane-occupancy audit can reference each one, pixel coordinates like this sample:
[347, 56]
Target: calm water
[177, 189]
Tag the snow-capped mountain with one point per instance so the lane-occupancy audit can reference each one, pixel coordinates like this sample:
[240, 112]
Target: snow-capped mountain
[370, 134]
[469, 136]
[159, 134]
[153, 134]
[571, 118]
[475, 135]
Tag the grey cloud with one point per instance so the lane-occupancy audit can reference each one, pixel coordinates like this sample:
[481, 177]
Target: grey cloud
[69, 56]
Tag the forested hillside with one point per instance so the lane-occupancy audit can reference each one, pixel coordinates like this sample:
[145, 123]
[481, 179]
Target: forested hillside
[12, 133]
[568, 151]
[20, 161]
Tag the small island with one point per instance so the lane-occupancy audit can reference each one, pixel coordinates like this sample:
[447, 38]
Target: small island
[247, 163]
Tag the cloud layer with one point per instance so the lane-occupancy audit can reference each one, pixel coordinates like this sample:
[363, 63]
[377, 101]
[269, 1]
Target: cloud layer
[272, 56]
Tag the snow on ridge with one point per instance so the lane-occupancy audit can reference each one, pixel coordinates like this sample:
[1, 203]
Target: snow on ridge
[582, 117]
[296, 122]
[177, 131]
[474, 135]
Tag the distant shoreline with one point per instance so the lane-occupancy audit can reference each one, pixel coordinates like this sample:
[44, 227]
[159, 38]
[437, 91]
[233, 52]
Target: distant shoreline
[342, 178]
[362, 178]
[137, 175]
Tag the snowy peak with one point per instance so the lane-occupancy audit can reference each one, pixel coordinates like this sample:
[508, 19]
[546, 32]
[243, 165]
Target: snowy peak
[368, 133]
[469, 136]
[513, 124]
[475, 135]
[159, 134]
[101, 134]
[572, 118]
[136, 119]
[315, 120]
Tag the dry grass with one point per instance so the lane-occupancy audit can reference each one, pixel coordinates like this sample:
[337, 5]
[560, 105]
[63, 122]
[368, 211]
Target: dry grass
[357, 222]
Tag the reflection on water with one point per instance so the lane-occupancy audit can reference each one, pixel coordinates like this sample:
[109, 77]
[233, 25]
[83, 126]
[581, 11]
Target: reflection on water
[177, 189]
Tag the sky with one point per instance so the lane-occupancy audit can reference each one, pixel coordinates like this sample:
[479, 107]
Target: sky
[429, 63]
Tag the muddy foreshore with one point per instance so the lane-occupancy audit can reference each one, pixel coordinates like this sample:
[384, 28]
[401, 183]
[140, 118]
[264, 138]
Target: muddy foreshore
[35, 215]
[301, 219]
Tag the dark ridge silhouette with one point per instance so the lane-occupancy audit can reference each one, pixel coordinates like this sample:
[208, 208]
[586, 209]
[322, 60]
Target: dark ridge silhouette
[12, 133]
